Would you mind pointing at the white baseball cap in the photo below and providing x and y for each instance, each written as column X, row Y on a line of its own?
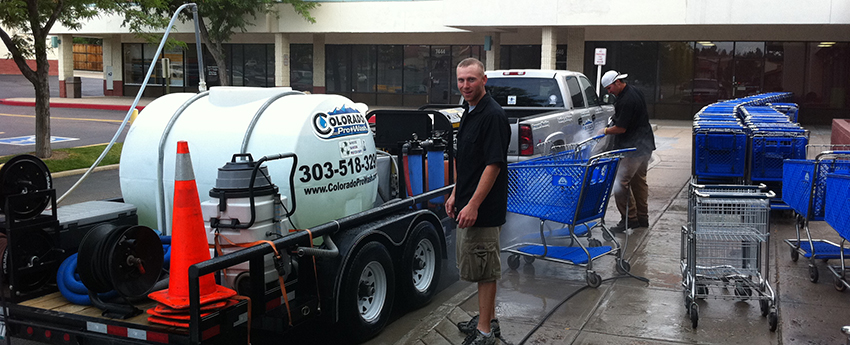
column 609, row 77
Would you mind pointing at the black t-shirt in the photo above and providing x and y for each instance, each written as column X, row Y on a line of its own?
column 482, row 140
column 630, row 113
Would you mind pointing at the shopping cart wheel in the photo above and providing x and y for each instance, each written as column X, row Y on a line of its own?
column 607, row 237
column 622, row 266
column 838, row 283
column 773, row 321
column 593, row 279
column 794, row 254
column 594, row 243
column 528, row 259
column 686, row 295
column 813, row 273
column 764, row 304
column 694, row 314
column 513, row 261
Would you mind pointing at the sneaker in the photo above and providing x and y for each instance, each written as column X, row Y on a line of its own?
column 471, row 327
column 478, row 338
column 621, row 226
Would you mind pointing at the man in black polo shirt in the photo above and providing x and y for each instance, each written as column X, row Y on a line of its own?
column 480, row 197
column 631, row 128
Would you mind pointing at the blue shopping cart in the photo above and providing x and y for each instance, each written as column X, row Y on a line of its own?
column 804, row 190
column 568, row 191
column 837, row 215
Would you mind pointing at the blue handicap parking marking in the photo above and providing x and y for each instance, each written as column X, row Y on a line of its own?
column 30, row 140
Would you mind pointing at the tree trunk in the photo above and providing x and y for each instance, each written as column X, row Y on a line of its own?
column 42, row 101
column 217, row 51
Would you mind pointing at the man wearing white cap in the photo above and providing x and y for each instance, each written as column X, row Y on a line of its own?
column 630, row 128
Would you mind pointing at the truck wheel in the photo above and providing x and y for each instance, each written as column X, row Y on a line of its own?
column 368, row 292
column 421, row 265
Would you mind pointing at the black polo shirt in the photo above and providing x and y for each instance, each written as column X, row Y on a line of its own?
column 630, row 113
column 482, row 140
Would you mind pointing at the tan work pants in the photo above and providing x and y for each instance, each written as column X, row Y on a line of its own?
column 631, row 187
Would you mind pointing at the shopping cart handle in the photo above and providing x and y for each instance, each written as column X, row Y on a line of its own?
column 613, row 153
column 760, row 186
column 832, row 153
column 596, row 137
column 769, row 195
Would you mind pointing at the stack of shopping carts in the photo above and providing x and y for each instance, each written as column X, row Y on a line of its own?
column 568, row 188
column 805, row 191
column 725, row 247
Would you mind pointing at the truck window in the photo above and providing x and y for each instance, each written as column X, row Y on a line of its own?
column 525, row 92
column 589, row 92
column 575, row 92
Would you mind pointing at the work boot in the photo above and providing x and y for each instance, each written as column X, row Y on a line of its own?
column 471, row 327
column 621, row 226
column 478, row 338
column 643, row 222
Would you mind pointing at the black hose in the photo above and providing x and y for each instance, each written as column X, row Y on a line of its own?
column 551, row 312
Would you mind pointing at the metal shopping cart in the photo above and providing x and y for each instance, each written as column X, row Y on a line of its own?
column 725, row 248
column 572, row 192
column 804, row 190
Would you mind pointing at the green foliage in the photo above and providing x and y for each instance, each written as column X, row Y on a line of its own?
column 78, row 157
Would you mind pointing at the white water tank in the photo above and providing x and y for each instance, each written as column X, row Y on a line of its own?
column 336, row 173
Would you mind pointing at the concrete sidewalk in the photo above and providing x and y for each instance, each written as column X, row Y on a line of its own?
column 628, row 311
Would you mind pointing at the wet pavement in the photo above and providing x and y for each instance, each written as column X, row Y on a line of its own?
column 629, row 311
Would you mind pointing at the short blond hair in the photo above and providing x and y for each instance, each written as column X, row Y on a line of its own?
column 471, row 62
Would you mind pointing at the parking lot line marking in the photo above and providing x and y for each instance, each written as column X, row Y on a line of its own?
column 66, row 118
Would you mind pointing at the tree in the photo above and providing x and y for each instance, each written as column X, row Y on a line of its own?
column 219, row 20
column 28, row 22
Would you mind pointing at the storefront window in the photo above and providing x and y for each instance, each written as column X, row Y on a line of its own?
column 784, row 67
column 416, row 79
column 520, row 56
column 337, row 68
column 749, row 68
column 390, row 68
column 134, row 65
column 677, row 72
column 827, row 74
column 363, row 68
column 301, row 71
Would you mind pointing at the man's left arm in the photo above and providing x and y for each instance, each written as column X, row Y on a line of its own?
column 469, row 214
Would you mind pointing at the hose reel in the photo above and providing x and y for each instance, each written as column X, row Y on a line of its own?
column 23, row 175
column 128, row 259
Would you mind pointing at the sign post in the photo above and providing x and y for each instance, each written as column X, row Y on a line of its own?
column 599, row 61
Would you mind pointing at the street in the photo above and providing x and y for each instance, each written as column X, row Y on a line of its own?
column 83, row 126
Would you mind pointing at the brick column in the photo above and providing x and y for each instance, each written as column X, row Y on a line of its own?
column 319, row 64
column 549, row 44
column 575, row 49
column 66, row 62
column 494, row 55
column 281, row 59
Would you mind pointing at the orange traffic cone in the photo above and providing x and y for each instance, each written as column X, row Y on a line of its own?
column 189, row 240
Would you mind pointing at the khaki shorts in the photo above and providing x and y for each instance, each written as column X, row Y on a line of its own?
column 478, row 254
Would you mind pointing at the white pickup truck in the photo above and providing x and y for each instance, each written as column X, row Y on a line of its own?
column 547, row 109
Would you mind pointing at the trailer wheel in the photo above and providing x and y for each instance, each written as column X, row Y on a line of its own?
column 422, row 260
column 368, row 292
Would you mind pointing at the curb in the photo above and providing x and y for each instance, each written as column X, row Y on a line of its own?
column 82, row 171
column 72, row 105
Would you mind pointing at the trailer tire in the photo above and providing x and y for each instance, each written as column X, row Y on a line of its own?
column 367, row 293
column 421, row 265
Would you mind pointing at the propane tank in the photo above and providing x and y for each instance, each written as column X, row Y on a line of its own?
column 240, row 212
column 336, row 174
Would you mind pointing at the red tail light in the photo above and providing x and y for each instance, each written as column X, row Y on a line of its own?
column 526, row 144
column 513, row 73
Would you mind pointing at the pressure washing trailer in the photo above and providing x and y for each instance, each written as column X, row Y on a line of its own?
column 298, row 172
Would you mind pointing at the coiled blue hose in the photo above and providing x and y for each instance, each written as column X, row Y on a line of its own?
column 73, row 289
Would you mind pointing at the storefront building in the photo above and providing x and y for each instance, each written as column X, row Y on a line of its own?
column 683, row 55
